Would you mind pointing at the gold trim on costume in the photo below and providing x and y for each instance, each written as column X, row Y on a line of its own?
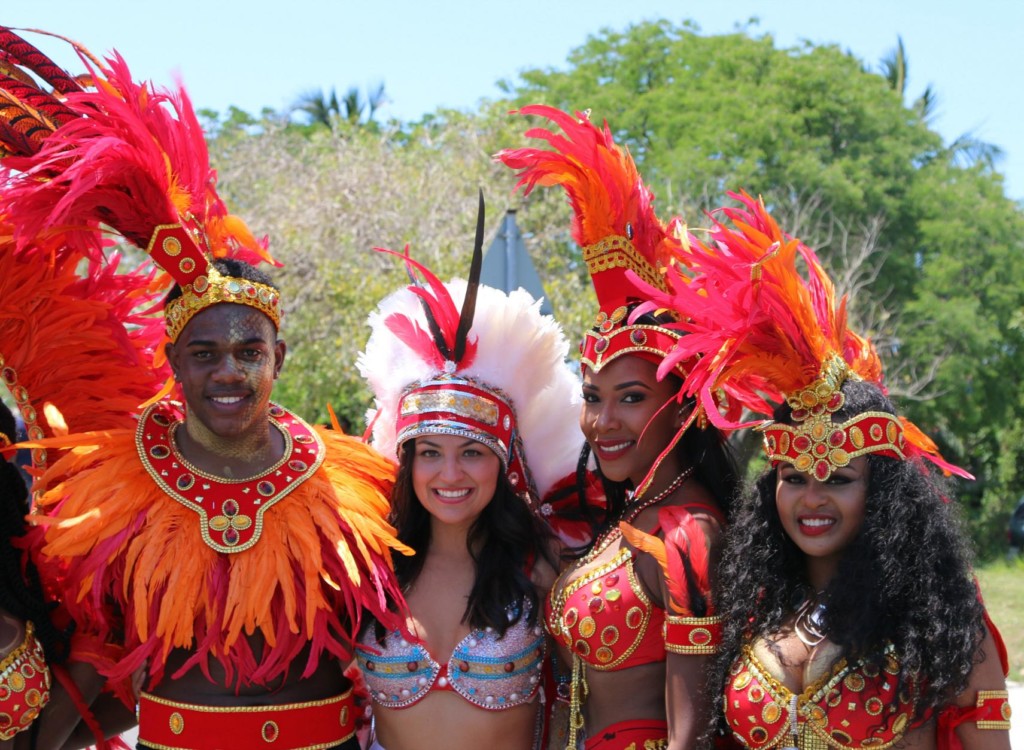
column 215, row 288
column 1005, row 712
column 616, row 251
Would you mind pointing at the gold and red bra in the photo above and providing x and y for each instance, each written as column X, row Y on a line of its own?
column 230, row 510
column 24, row 685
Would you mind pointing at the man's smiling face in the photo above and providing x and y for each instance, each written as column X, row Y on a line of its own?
column 226, row 360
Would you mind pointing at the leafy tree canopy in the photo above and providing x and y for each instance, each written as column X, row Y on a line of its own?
column 919, row 231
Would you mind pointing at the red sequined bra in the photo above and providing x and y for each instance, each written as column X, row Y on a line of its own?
column 24, row 685
column 605, row 616
column 851, row 707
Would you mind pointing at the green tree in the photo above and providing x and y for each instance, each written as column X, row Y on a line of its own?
column 919, row 230
column 329, row 111
column 923, row 238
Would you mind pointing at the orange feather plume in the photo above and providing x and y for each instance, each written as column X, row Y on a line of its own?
column 324, row 558
column 683, row 558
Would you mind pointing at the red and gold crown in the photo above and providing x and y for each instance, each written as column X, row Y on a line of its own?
column 764, row 332
column 202, row 285
column 615, row 224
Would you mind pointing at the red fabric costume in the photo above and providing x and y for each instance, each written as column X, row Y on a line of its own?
column 603, row 616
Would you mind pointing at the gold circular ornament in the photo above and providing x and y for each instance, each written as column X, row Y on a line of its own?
column 270, row 731
column 176, row 723
column 784, row 441
column 854, row 682
column 741, row 681
column 634, row 617
column 587, row 627
column 172, row 246
column 856, row 435
column 610, row 635
column 570, row 617
column 842, row 737
column 839, row 458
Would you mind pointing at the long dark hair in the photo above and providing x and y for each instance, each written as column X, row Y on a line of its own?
column 904, row 580
column 504, row 541
column 21, row 592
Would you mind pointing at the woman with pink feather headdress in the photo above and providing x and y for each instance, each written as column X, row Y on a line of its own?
column 851, row 618
column 475, row 400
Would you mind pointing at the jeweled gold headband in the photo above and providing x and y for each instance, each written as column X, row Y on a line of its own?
column 214, row 288
column 818, row 446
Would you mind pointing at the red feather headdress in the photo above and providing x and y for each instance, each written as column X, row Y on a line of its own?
column 124, row 156
column 615, row 224
column 765, row 332
column 628, row 250
column 82, row 157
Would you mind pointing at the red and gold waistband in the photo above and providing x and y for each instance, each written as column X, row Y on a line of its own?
column 313, row 725
column 623, row 735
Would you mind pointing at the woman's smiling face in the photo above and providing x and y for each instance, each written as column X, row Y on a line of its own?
column 822, row 518
column 454, row 477
column 622, row 416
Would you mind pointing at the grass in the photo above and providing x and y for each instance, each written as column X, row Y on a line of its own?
column 1002, row 585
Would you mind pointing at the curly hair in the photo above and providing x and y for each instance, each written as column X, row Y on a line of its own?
column 904, row 580
column 21, row 591
column 503, row 541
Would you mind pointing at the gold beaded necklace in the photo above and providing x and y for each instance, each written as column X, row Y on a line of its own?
column 578, row 688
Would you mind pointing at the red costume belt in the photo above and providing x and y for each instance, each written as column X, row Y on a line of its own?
column 314, row 725
column 624, row 735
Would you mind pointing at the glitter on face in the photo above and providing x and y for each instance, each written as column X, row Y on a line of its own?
column 226, row 361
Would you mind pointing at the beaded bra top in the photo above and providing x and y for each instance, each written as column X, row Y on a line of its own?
column 489, row 671
column 24, row 685
column 605, row 617
column 854, row 706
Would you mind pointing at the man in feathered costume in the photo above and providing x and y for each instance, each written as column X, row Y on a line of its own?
column 219, row 551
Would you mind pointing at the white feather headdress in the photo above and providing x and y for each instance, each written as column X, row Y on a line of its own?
column 520, row 355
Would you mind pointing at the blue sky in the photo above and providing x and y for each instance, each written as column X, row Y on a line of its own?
column 430, row 54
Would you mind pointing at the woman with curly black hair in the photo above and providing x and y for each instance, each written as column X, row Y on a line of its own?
column 851, row 619
column 480, row 416
column 851, row 615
